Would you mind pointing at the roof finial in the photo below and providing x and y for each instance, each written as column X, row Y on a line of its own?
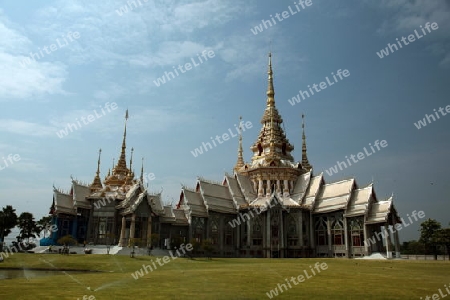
column 131, row 158
column 142, row 171
column 121, row 168
column 97, row 183
column 240, row 161
column 98, row 162
column 270, row 91
column 305, row 162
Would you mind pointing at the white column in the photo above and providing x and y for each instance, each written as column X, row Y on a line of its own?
column 301, row 229
column 329, row 235
column 260, row 188
column 268, row 241
column 346, row 241
column 132, row 227
column 285, row 187
column 268, row 188
column 248, row 233
column 397, row 245
column 366, row 246
column 281, row 237
column 122, row 232
column 387, row 241
column 149, row 230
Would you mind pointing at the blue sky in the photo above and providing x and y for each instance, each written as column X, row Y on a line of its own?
column 117, row 57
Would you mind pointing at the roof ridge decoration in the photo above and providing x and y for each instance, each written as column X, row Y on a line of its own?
column 202, row 179
column 97, row 182
column 305, row 163
column 240, row 160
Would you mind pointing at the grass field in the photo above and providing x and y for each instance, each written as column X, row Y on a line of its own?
column 222, row 278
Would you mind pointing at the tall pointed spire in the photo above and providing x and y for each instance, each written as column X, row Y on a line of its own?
column 121, row 168
column 130, row 174
column 97, row 183
column 272, row 148
column 270, row 90
column 240, row 160
column 142, row 171
column 305, row 162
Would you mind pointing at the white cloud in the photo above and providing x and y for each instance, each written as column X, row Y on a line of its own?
column 26, row 128
column 406, row 16
column 21, row 77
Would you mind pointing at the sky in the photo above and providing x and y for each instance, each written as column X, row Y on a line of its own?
column 77, row 62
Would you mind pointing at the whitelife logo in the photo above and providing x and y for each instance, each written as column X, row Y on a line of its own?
column 356, row 158
column 429, row 118
column 53, row 47
column 90, row 118
column 300, row 278
column 319, row 87
column 411, row 38
column 225, row 137
column 280, row 17
column 187, row 66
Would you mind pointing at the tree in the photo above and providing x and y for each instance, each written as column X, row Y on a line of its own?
column 44, row 224
column 442, row 237
column 195, row 246
column 154, row 239
column 413, row 247
column 208, row 247
column 428, row 235
column 28, row 227
column 8, row 220
column 67, row 240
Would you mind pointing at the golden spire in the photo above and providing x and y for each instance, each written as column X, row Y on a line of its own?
column 97, row 183
column 305, row 162
column 272, row 143
column 142, row 171
column 130, row 174
column 131, row 158
column 121, row 168
column 270, row 90
column 240, row 161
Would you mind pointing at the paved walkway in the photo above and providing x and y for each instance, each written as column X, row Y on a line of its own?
column 101, row 249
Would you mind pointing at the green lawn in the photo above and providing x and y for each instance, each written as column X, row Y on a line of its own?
column 222, row 278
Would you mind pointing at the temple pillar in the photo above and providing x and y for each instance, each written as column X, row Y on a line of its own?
column 248, row 233
column 387, row 241
column 278, row 186
column 301, row 229
column 330, row 251
column 366, row 245
column 346, row 240
column 281, row 237
column 260, row 188
column 122, row 232
column 132, row 228
column 268, row 188
column 149, row 230
column 285, row 187
column 396, row 238
column 312, row 231
column 397, row 245
column 268, row 240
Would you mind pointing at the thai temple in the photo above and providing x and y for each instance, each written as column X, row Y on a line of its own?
column 271, row 206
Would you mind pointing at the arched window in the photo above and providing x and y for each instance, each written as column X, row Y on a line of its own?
column 321, row 231
column 337, row 232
